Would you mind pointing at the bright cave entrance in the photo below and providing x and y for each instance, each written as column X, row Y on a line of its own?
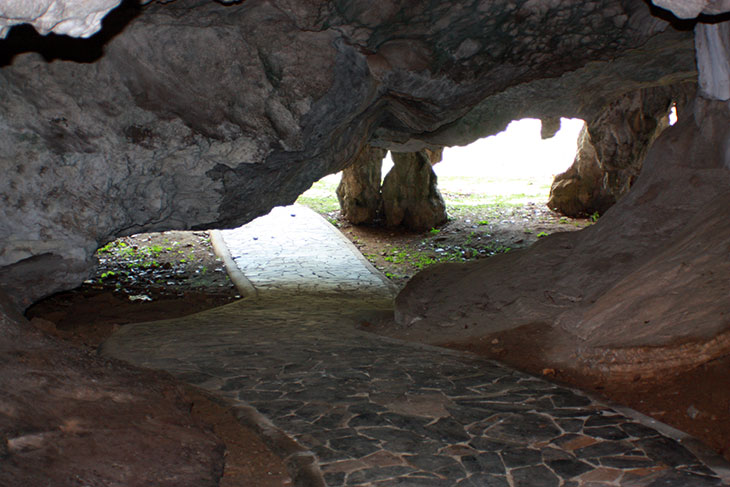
column 495, row 192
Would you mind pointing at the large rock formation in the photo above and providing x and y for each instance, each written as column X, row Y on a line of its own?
column 408, row 196
column 359, row 189
column 70, row 417
column 642, row 291
column 185, row 114
column 611, row 150
column 410, row 191
column 579, row 191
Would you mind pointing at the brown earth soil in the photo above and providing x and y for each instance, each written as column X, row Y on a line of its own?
column 153, row 277
column 696, row 401
column 472, row 234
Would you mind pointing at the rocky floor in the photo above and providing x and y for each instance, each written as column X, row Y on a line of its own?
column 364, row 410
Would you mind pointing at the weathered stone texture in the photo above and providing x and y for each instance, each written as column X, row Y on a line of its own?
column 579, row 190
column 71, row 417
column 359, row 188
column 713, row 59
column 75, row 18
column 611, row 150
column 688, row 9
column 410, row 191
column 186, row 114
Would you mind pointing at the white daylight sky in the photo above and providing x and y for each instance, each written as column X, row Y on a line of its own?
column 517, row 152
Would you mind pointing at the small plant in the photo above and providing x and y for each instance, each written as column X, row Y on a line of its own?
column 107, row 248
column 542, row 234
column 434, row 231
column 483, row 222
column 595, row 216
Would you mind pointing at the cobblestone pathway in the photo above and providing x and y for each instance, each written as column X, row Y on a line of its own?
column 368, row 411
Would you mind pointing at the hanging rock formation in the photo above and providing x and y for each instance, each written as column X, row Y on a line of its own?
column 611, row 150
column 410, row 191
column 359, row 188
column 409, row 195
column 128, row 131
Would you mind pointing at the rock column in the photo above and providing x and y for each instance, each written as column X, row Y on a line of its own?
column 359, row 189
column 410, row 191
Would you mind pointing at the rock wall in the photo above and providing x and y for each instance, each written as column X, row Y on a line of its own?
column 185, row 114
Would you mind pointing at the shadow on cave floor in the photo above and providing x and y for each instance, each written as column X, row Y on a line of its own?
column 345, row 407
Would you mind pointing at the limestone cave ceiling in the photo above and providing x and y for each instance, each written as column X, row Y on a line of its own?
column 198, row 114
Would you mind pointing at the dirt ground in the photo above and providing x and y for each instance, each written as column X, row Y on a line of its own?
column 180, row 275
column 470, row 235
column 153, row 277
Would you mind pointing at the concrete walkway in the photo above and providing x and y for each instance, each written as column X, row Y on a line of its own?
column 347, row 408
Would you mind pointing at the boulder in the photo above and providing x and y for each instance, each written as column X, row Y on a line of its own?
column 410, row 191
column 549, row 127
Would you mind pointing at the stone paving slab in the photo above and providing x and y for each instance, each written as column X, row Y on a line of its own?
column 378, row 412
column 293, row 249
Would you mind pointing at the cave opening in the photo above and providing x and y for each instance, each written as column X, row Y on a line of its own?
column 194, row 112
column 494, row 193
column 495, row 189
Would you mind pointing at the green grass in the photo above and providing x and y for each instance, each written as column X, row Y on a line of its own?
column 420, row 259
column 321, row 205
column 462, row 194
column 321, row 196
